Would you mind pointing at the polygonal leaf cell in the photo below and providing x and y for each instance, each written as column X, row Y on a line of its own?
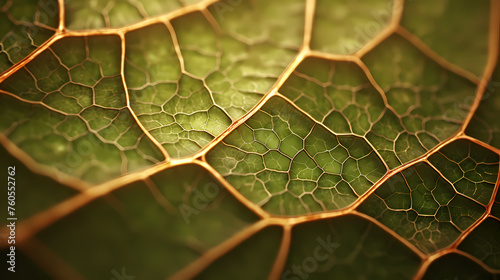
column 225, row 62
column 446, row 18
column 118, row 13
column 288, row 164
column 484, row 243
column 472, row 169
column 93, row 90
column 257, row 41
column 347, row 247
column 259, row 250
column 170, row 219
column 24, row 26
column 344, row 27
column 432, row 207
column 428, row 103
column 484, row 124
column 337, row 94
column 67, row 109
column 176, row 108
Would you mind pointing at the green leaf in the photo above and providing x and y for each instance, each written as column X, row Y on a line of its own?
column 472, row 169
column 182, row 210
column 347, row 247
column 495, row 210
column 428, row 102
column 288, row 164
column 186, row 98
column 39, row 192
column 484, row 125
column 76, row 122
column 484, row 243
column 101, row 14
column 260, row 250
column 432, row 206
column 24, row 26
column 250, row 139
column 420, row 18
column 354, row 25
column 455, row 266
column 423, row 208
column 338, row 94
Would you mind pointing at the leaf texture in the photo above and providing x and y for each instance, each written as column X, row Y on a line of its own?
column 238, row 139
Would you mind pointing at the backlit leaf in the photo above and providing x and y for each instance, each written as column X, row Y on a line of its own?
column 249, row 139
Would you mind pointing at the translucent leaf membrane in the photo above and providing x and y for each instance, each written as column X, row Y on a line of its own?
column 472, row 169
column 344, row 27
column 484, row 124
column 185, row 98
column 431, row 206
column 347, row 247
column 337, row 94
column 126, row 82
column 286, row 163
column 118, row 13
column 67, row 110
column 258, row 41
column 484, row 243
column 495, row 210
column 444, row 21
column 177, row 109
column 24, row 26
column 259, row 250
column 170, row 219
column 428, row 103
column 455, row 266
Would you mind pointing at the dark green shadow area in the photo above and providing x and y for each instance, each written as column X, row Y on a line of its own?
column 347, row 247
column 252, row 259
column 150, row 231
column 484, row 243
column 24, row 267
column 455, row 266
column 33, row 192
